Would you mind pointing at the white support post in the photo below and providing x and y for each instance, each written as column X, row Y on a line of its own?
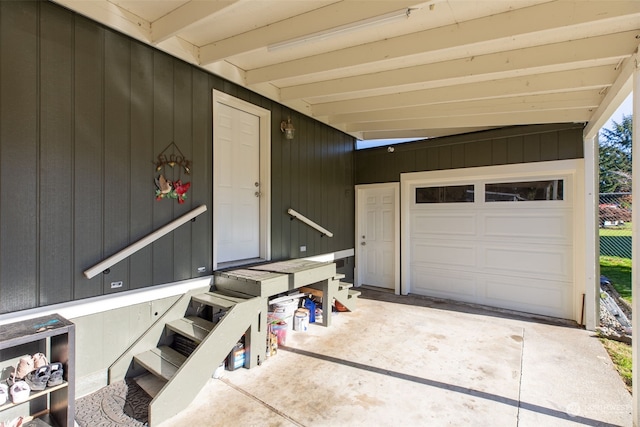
column 635, row 219
column 591, row 305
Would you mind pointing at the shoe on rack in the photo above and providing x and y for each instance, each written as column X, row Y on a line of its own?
column 20, row 392
column 39, row 360
column 24, row 367
column 56, row 372
column 4, row 393
column 38, row 379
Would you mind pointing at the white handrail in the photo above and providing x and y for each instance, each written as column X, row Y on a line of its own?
column 150, row 238
column 309, row 222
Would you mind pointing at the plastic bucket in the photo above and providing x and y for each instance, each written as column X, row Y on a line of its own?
column 301, row 321
column 280, row 329
column 285, row 311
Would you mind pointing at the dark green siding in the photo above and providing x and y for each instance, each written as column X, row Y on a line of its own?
column 84, row 111
column 518, row 144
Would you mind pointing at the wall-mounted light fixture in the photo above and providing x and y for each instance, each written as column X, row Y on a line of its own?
column 287, row 128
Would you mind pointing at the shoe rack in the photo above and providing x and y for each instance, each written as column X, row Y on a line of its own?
column 54, row 336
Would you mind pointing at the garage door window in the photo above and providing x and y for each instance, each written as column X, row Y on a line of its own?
column 524, row 191
column 445, row 194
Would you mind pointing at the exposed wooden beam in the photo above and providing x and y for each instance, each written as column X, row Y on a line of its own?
column 620, row 89
column 521, row 28
column 556, row 57
column 543, row 102
column 324, row 18
column 421, row 133
column 112, row 16
column 589, row 78
column 479, row 120
column 185, row 16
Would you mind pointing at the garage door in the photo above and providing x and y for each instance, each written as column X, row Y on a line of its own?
column 493, row 236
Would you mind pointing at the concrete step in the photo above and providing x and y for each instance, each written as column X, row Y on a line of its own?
column 161, row 361
column 193, row 327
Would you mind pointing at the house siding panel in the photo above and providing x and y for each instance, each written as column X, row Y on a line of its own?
column 140, row 271
column 56, row 161
column 517, row 144
column 88, row 115
column 19, row 95
column 84, row 111
column 117, row 158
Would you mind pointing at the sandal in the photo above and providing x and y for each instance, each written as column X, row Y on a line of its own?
column 38, row 379
column 56, row 371
column 20, row 392
column 39, row 360
column 24, row 367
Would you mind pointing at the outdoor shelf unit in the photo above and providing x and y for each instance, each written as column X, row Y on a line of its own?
column 54, row 336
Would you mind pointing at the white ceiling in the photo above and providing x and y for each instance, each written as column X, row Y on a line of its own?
column 450, row 67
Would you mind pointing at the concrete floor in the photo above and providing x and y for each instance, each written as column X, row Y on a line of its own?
column 411, row 361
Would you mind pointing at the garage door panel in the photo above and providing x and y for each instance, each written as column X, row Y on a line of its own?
column 549, row 226
column 550, row 298
column 518, row 260
column 443, row 253
column 444, row 284
column 517, row 253
column 449, row 223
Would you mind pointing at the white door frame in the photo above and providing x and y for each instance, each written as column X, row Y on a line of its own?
column 359, row 206
column 265, row 169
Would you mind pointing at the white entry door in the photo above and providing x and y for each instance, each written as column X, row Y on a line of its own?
column 239, row 188
column 377, row 232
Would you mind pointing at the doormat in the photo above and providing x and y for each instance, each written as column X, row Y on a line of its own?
column 119, row 404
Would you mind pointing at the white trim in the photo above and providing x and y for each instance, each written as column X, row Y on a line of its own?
column 85, row 307
column 591, row 236
column 397, row 233
column 635, row 266
column 570, row 168
column 332, row 256
column 264, row 116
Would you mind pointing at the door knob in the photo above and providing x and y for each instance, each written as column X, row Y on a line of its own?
column 363, row 243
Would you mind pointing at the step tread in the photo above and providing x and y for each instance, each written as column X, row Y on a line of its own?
column 353, row 293
column 161, row 361
column 345, row 285
column 150, row 383
column 215, row 299
column 193, row 327
column 339, row 276
column 241, row 296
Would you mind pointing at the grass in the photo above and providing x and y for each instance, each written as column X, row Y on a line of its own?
column 625, row 230
column 620, row 354
column 618, row 271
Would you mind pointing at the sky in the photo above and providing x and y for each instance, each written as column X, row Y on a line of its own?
column 626, row 108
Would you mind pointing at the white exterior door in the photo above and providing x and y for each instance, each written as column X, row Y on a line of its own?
column 240, row 186
column 470, row 236
column 377, row 236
